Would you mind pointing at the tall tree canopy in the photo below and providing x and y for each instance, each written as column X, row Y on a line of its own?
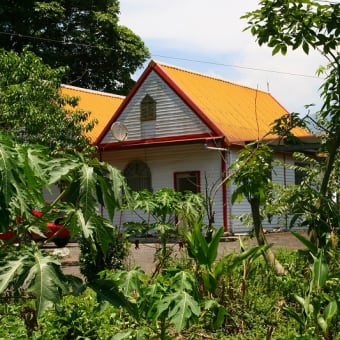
column 309, row 25
column 32, row 107
column 83, row 35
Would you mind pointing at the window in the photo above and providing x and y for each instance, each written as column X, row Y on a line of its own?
column 300, row 174
column 188, row 181
column 147, row 109
column 138, row 176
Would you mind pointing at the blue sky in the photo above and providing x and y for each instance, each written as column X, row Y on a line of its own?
column 207, row 37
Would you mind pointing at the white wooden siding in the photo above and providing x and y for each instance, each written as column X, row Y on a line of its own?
column 52, row 194
column 174, row 117
column 280, row 175
column 237, row 209
column 164, row 162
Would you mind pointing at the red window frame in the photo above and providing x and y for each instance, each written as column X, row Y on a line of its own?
column 187, row 174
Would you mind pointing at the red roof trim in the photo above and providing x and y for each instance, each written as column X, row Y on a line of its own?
column 159, row 141
column 158, row 69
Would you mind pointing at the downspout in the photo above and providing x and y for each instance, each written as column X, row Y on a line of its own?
column 100, row 160
column 224, row 188
column 285, row 184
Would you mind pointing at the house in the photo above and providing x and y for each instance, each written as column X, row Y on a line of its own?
column 182, row 130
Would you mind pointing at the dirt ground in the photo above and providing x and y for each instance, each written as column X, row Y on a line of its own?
column 143, row 256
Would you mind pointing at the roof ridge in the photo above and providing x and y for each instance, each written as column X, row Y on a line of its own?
column 209, row 76
column 100, row 93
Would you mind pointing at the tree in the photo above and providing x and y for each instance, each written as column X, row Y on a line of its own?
column 32, row 107
column 252, row 175
column 310, row 25
column 83, row 35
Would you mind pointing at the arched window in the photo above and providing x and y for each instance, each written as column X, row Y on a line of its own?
column 138, row 176
column 147, row 109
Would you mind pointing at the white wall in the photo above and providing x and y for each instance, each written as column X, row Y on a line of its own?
column 165, row 161
column 280, row 175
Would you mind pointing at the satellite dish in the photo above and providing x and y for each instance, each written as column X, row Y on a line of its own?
column 119, row 131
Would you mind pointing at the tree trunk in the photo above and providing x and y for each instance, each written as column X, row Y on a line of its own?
column 261, row 239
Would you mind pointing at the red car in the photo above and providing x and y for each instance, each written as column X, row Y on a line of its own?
column 60, row 240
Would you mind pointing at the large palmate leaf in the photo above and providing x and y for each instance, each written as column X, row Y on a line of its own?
column 93, row 184
column 184, row 281
column 59, row 168
column 9, row 270
column 44, row 280
column 87, row 192
column 112, row 186
column 76, row 221
column 130, row 281
column 30, row 270
column 181, row 308
column 108, row 290
column 6, row 166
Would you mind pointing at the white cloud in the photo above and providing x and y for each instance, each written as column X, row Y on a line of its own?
column 213, row 31
column 196, row 24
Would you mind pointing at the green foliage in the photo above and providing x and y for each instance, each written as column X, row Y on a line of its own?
column 81, row 317
column 283, row 127
column 31, row 271
column 306, row 205
column 209, row 269
column 163, row 206
column 256, row 312
column 252, row 173
column 304, row 23
column 83, row 36
column 32, row 107
column 319, row 306
column 167, row 300
column 310, row 24
column 93, row 262
column 167, row 213
column 204, row 252
column 25, row 171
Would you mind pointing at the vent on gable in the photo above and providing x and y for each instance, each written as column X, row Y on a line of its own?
column 147, row 109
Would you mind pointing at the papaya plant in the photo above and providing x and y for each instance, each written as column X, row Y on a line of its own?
column 167, row 213
column 158, row 305
column 25, row 172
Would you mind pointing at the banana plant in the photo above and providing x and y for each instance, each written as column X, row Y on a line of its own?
column 205, row 252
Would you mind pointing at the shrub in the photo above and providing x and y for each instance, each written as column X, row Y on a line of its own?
column 91, row 263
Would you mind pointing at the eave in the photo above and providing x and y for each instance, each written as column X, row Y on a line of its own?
column 173, row 140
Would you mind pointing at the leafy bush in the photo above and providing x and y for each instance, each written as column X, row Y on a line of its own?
column 81, row 317
column 92, row 262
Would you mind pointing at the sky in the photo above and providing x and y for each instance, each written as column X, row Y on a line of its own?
column 208, row 37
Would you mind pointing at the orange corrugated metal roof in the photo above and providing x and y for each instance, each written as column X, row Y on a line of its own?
column 101, row 105
column 240, row 113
